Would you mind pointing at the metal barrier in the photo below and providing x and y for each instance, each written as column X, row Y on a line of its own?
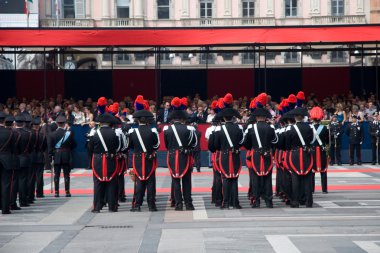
column 80, row 159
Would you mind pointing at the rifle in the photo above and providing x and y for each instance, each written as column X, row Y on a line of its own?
column 51, row 175
column 377, row 149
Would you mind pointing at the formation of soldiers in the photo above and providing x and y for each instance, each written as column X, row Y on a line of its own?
column 25, row 145
column 297, row 144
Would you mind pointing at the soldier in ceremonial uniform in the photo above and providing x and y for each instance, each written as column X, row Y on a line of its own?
column 229, row 138
column 61, row 143
column 259, row 138
column 122, row 155
column 319, row 147
column 38, row 159
column 355, row 134
column 298, row 140
column 374, row 132
column 216, row 189
column 336, row 132
column 8, row 142
column 25, row 146
column 144, row 141
column 104, row 146
column 180, row 139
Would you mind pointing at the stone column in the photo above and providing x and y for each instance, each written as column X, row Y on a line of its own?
column 227, row 8
column 270, row 7
column 185, row 9
column 88, row 9
column 105, row 9
column 138, row 8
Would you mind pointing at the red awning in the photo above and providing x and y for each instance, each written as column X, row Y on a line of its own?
column 187, row 37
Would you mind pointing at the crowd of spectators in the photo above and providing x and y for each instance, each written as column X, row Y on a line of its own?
column 81, row 112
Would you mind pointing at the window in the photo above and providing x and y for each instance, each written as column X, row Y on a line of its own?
column 68, row 9
column 292, row 57
column 140, row 57
column 290, row 8
column 163, row 7
column 106, row 55
column 206, row 8
column 122, row 8
column 208, row 58
column 248, row 8
column 337, row 7
column 248, row 58
column 338, row 56
column 123, row 59
column 316, row 55
column 165, row 58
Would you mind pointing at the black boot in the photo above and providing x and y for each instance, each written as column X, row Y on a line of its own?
column 255, row 203
column 269, row 203
column 136, row 209
column 190, row 207
column 179, row 207
column 67, row 187
column 152, row 207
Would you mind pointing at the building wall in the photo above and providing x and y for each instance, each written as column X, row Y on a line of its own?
column 375, row 11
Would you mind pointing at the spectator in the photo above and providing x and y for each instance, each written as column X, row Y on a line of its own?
column 340, row 114
column 88, row 116
column 210, row 116
column 163, row 114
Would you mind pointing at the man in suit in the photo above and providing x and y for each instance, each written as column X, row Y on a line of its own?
column 61, row 143
column 163, row 114
column 355, row 134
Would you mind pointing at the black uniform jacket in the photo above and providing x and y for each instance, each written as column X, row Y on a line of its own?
column 355, row 133
column 39, row 146
column 261, row 158
column 374, row 131
column 8, row 146
column 300, row 158
column 336, row 131
column 104, row 164
column 229, row 156
column 319, row 149
column 61, row 155
column 179, row 154
column 144, row 162
column 25, row 147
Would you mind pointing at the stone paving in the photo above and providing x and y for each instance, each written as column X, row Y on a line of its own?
column 345, row 220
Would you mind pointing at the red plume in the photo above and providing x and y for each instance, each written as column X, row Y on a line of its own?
column 252, row 105
column 300, row 95
column 214, row 104
column 292, row 99
column 184, row 101
column 228, row 99
column 139, row 99
column 176, row 102
column 262, row 99
column 102, row 101
column 146, row 105
column 316, row 113
column 221, row 103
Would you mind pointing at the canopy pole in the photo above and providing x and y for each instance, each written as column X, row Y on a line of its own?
column 259, row 72
column 377, row 73
column 45, row 85
column 362, row 73
column 265, row 69
column 253, row 70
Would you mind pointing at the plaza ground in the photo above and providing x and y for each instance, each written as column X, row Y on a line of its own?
column 345, row 220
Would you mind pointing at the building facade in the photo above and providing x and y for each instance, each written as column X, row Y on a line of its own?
column 195, row 13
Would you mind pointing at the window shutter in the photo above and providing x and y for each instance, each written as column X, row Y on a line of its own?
column 79, row 9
